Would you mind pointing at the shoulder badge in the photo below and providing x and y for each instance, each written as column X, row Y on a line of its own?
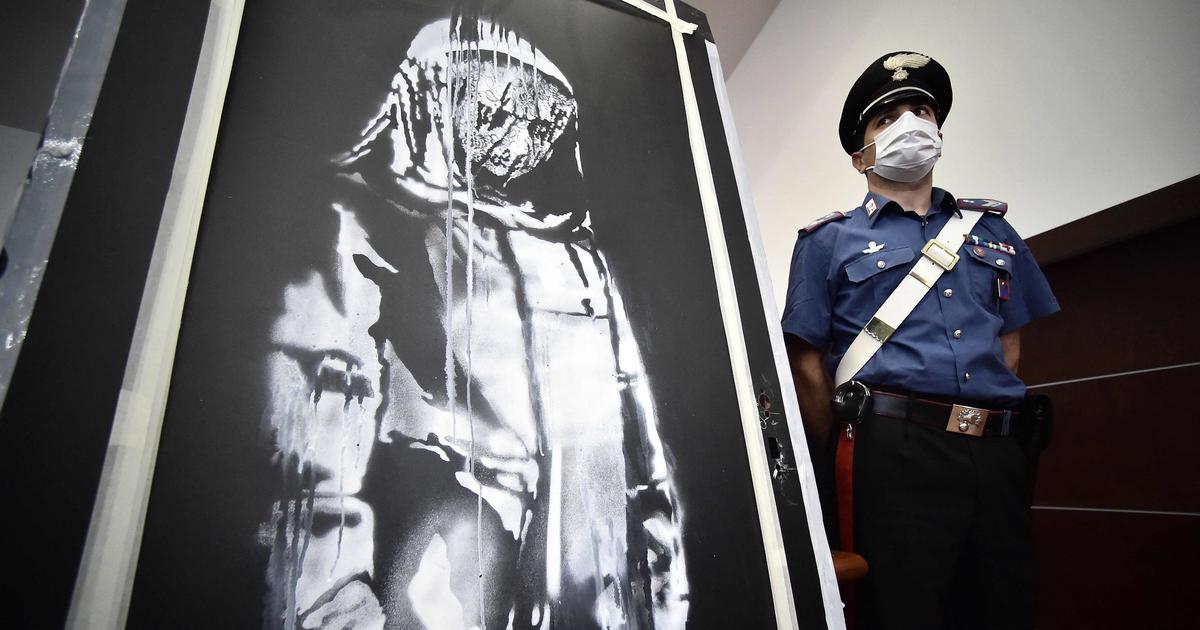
column 836, row 215
column 983, row 205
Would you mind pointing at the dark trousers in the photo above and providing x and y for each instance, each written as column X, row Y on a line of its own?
column 943, row 521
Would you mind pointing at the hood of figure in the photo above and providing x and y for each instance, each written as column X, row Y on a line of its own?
column 472, row 109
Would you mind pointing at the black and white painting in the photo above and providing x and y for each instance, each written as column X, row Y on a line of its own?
column 452, row 356
column 469, row 330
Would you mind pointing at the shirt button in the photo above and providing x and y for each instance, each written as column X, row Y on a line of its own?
column 948, row 293
column 881, row 264
column 999, row 262
column 958, row 335
column 966, row 376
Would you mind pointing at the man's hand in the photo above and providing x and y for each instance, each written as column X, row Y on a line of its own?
column 814, row 389
column 1011, row 344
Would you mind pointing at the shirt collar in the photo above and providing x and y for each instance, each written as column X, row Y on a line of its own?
column 875, row 204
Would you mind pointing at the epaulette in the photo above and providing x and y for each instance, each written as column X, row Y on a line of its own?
column 983, row 205
column 829, row 218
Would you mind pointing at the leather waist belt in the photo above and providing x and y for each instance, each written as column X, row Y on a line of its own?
column 950, row 417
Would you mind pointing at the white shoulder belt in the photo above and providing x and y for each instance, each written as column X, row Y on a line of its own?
column 938, row 256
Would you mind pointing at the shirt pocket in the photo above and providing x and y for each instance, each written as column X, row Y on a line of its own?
column 880, row 271
column 987, row 268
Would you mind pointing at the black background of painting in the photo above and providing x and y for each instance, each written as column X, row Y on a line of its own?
column 797, row 541
column 306, row 78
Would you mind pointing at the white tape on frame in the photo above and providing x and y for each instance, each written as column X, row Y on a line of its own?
column 756, row 452
column 673, row 20
column 105, row 580
column 830, row 593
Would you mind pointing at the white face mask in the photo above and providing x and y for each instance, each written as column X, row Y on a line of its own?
column 907, row 150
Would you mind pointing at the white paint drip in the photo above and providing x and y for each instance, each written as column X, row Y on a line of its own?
column 554, row 527
column 448, row 156
column 471, row 102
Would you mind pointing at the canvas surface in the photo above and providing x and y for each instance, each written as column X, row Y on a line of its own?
column 452, row 354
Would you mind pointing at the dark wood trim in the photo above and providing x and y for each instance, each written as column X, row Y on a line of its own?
column 1141, row 215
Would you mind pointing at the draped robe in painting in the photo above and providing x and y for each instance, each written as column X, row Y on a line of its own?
column 459, row 406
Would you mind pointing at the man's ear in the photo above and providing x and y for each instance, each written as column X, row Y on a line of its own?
column 856, row 160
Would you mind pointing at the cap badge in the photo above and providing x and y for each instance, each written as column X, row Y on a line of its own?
column 899, row 62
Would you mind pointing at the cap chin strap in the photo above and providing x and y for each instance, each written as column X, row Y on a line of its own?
column 892, row 95
column 937, row 257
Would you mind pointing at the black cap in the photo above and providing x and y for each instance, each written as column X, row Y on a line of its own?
column 896, row 75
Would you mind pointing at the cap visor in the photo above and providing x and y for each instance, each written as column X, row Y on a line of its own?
column 894, row 95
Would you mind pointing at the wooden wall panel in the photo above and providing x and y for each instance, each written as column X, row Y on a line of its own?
column 1113, row 570
column 1125, row 460
column 1129, row 306
column 1128, row 442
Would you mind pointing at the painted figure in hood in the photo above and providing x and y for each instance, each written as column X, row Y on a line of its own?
column 460, row 408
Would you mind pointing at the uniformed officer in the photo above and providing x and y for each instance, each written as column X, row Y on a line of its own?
column 941, row 488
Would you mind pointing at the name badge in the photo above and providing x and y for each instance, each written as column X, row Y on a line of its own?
column 1003, row 289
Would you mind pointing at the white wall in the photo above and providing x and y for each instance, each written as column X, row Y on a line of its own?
column 1061, row 107
column 735, row 24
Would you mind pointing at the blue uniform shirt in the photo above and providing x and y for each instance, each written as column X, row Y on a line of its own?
column 949, row 346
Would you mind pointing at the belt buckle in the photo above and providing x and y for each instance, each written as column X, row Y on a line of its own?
column 968, row 420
